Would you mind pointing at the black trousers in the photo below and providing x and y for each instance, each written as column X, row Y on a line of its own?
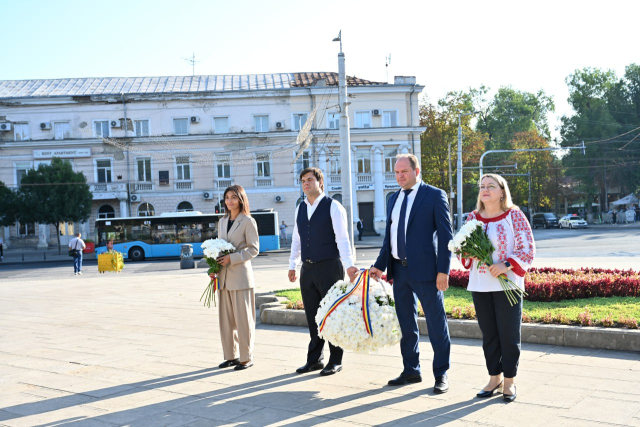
column 315, row 281
column 500, row 324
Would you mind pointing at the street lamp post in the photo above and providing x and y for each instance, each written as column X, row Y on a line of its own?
column 459, row 195
column 345, row 143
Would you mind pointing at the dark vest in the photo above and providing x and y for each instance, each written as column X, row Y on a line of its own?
column 317, row 239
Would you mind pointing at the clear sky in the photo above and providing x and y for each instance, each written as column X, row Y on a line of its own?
column 447, row 45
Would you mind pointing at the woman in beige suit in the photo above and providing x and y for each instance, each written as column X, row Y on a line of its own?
column 235, row 280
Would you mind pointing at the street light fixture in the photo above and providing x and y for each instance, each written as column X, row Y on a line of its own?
column 459, row 195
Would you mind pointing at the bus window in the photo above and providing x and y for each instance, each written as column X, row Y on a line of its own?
column 209, row 230
column 189, row 232
column 164, row 233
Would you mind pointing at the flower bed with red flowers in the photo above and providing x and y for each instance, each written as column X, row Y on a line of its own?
column 557, row 284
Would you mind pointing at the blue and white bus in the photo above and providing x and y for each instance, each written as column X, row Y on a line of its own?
column 139, row 238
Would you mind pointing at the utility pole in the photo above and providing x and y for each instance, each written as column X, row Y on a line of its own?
column 459, row 195
column 345, row 144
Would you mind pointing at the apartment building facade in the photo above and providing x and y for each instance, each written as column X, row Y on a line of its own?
column 162, row 144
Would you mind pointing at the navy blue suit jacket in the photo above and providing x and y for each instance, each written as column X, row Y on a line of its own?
column 429, row 214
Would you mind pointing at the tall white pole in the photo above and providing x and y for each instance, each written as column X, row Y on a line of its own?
column 459, row 195
column 345, row 147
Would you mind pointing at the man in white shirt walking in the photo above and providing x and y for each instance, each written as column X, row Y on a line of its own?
column 320, row 238
column 77, row 245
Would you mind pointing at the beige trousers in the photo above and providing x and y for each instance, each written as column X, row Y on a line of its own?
column 237, row 323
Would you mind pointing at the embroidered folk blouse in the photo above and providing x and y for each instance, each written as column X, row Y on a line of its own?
column 512, row 239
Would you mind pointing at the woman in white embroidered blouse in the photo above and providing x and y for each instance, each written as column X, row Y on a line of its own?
column 500, row 322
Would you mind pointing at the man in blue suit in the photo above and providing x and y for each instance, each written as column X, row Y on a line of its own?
column 415, row 215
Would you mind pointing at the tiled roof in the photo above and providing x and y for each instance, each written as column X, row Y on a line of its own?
column 164, row 85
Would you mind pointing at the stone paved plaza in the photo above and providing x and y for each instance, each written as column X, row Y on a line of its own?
column 138, row 349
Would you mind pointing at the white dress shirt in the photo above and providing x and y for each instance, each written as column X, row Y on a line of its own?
column 395, row 217
column 340, row 228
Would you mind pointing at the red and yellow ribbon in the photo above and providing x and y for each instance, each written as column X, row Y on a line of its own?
column 365, row 281
column 215, row 283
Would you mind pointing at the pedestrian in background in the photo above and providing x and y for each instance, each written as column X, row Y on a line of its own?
column 77, row 246
column 283, row 232
column 500, row 322
column 1, row 248
column 360, row 228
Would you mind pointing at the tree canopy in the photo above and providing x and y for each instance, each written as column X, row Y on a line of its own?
column 53, row 194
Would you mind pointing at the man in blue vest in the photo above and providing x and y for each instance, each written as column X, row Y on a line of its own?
column 321, row 241
column 414, row 216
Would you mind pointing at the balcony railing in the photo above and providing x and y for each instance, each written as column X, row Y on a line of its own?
column 99, row 188
column 184, row 185
column 389, row 176
column 364, row 178
column 104, row 187
column 143, row 186
column 222, row 183
column 334, row 179
column 264, row 182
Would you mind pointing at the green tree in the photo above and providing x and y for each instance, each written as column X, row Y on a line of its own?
column 9, row 203
column 441, row 120
column 512, row 111
column 607, row 118
column 53, row 194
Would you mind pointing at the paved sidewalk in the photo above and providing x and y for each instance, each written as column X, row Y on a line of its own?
column 138, row 349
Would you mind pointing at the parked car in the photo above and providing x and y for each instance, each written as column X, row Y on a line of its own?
column 464, row 220
column 572, row 221
column 545, row 220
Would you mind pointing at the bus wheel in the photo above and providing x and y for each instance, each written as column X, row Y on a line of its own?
column 136, row 254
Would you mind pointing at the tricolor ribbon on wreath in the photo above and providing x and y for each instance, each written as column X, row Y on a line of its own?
column 363, row 280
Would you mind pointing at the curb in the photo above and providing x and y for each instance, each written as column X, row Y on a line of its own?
column 271, row 312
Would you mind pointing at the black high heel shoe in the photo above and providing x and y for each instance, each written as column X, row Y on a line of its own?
column 510, row 397
column 489, row 393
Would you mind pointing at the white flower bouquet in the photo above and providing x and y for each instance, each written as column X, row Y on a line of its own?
column 346, row 325
column 472, row 241
column 212, row 249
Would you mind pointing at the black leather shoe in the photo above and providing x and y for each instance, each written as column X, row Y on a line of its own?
column 510, row 397
column 242, row 367
column 406, row 379
column 228, row 363
column 489, row 393
column 442, row 385
column 331, row 369
column 316, row 366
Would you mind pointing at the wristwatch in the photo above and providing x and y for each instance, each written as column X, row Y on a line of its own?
column 508, row 265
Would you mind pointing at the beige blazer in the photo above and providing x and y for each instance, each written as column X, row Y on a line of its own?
column 238, row 275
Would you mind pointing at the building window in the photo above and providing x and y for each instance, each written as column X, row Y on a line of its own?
column 26, row 229
column 144, row 170
column 335, row 164
column 106, row 211
column 221, row 124
column 261, row 123
column 146, row 209
column 21, row 171
column 223, row 166
column 103, row 170
column 390, row 160
column 185, row 207
column 180, row 126
column 334, row 120
column 21, row 131
column 263, row 165
column 364, row 161
column 62, row 130
column 337, row 197
column 101, row 128
column 299, row 120
column 142, row 127
column 183, row 169
column 389, row 119
column 363, row 119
